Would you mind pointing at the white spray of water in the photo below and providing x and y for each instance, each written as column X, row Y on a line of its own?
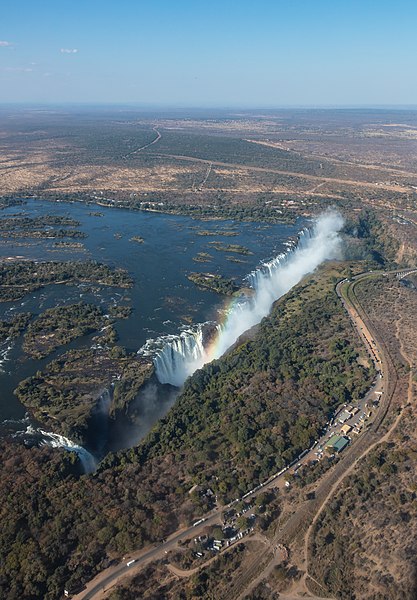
column 277, row 277
column 181, row 355
column 4, row 353
column 54, row 440
column 176, row 355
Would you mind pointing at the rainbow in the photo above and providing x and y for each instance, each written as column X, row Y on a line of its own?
column 181, row 355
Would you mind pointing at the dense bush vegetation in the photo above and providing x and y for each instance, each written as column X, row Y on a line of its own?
column 19, row 278
column 233, row 150
column 11, row 328
column 235, row 248
column 217, row 283
column 375, row 242
column 59, row 325
column 243, row 417
column 44, row 233
column 26, row 223
column 237, row 421
column 65, row 394
column 58, row 529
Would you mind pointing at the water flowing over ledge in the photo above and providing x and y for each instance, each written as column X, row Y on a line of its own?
column 178, row 357
column 54, row 440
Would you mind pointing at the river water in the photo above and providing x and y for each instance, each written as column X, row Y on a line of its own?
column 162, row 298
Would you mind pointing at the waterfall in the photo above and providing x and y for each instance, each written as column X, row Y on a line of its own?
column 177, row 357
column 267, row 269
column 54, row 440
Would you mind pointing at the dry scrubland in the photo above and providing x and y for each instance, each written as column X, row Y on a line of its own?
column 365, row 544
column 282, row 163
column 241, row 418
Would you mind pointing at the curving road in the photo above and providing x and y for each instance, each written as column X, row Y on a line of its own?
column 385, row 386
column 112, row 575
column 302, row 521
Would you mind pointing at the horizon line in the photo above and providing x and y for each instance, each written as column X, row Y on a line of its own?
column 159, row 106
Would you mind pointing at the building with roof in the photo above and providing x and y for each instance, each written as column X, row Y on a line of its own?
column 344, row 416
column 337, row 443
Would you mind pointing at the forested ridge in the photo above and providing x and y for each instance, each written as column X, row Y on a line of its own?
column 244, row 416
column 237, row 421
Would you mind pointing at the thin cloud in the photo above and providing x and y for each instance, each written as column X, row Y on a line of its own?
column 4, row 44
column 69, row 50
column 17, row 70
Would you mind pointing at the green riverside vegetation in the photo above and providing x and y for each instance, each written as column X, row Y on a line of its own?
column 236, row 248
column 64, row 395
column 214, row 282
column 12, row 328
column 8, row 224
column 237, row 420
column 19, row 278
column 243, row 417
column 59, row 325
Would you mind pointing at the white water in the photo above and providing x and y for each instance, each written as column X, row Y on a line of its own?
column 4, row 353
column 175, row 355
column 54, row 440
column 181, row 355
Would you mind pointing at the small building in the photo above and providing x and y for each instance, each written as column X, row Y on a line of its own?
column 345, row 429
column 331, row 441
column 337, row 443
column 344, row 416
column 341, row 444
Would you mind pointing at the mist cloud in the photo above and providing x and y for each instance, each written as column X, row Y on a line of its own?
column 186, row 353
column 271, row 283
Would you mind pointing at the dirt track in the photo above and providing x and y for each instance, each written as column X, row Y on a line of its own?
column 315, row 178
column 302, row 519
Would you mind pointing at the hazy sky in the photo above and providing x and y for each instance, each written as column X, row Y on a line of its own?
column 209, row 53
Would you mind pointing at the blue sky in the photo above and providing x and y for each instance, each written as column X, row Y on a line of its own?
column 209, row 53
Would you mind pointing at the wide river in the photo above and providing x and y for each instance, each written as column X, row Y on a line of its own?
column 163, row 299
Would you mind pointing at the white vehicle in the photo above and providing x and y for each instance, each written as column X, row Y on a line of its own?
column 130, row 562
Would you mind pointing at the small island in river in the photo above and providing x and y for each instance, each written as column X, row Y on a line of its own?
column 66, row 393
column 236, row 248
column 214, row 282
column 60, row 325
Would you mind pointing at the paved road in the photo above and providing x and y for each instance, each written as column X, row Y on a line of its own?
column 111, row 575
column 383, row 384
column 301, row 519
